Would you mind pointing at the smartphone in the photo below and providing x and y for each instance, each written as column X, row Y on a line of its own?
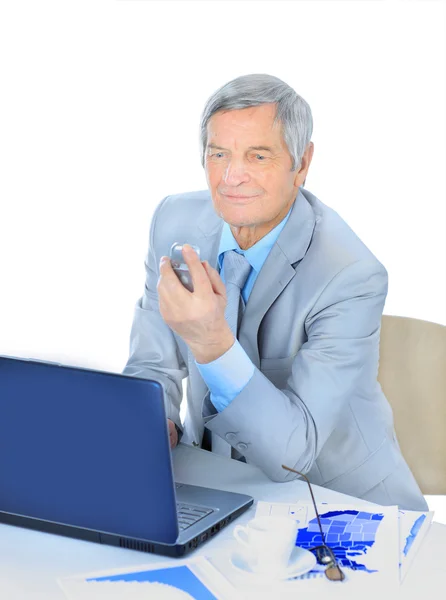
column 179, row 266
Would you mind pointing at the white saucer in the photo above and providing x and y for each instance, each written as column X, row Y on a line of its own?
column 301, row 561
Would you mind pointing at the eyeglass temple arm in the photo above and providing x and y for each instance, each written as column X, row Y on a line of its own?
column 312, row 497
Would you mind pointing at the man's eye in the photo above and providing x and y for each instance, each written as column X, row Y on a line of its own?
column 260, row 157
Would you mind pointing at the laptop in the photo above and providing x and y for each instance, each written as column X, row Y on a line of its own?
column 86, row 454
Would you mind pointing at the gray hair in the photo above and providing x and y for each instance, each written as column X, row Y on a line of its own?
column 293, row 112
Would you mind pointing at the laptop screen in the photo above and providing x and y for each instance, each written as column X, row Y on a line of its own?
column 86, row 448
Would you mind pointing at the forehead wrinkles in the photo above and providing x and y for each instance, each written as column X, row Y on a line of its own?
column 242, row 135
column 255, row 131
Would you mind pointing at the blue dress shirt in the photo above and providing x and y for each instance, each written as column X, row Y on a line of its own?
column 223, row 388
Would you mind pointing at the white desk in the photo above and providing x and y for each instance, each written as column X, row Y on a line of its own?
column 31, row 562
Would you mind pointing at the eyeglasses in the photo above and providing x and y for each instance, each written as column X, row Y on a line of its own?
column 324, row 554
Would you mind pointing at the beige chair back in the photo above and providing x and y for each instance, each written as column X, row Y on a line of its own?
column 412, row 374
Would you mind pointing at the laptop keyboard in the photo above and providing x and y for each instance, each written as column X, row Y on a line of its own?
column 189, row 514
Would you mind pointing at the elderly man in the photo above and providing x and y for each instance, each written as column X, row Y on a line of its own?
column 280, row 336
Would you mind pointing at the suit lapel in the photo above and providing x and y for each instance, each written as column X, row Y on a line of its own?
column 277, row 271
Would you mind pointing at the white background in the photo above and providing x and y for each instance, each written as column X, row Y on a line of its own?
column 100, row 106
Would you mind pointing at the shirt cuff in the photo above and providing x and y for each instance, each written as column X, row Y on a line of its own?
column 227, row 375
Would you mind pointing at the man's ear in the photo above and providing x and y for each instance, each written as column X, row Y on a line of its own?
column 307, row 158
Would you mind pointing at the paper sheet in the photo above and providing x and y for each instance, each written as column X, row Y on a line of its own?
column 188, row 579
column 365, row 541
column 413, row 526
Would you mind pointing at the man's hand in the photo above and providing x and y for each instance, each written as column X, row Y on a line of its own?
column 173, row 434
column 198, row 316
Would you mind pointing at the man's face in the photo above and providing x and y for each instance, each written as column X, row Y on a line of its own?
column 246, row 157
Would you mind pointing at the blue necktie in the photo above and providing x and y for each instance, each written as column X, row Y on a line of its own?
column 236, row 271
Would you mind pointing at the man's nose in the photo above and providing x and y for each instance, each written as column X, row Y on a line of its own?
column 236, row 173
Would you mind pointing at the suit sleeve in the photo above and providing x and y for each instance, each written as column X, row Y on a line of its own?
column 290, row 425
column 154, row 352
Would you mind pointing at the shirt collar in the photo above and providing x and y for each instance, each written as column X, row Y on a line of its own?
column 256, row 255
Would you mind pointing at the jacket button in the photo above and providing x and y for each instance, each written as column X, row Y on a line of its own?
column 242, row 446
column 230, row 437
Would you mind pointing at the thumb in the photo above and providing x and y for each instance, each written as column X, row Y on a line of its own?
column 217, row 284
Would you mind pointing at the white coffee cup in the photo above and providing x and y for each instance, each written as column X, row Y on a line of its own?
column 270, row 541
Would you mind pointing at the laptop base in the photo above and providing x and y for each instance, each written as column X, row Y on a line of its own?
column 174, row 550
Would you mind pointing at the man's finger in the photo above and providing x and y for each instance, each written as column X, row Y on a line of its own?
column 217, row 284
column 170, row 282
column 173, row 434
column 198, row 273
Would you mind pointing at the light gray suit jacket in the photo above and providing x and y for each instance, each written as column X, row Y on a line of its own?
column 311, row 327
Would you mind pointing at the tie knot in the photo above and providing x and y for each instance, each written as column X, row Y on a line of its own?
column 237, row 268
